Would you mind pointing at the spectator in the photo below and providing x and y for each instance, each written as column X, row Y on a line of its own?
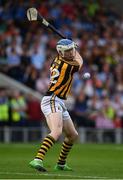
column 30, row 76
column 18, row 109
column 35, row 116
column 97, row 29
column 106, row 116
column 37, row 56
column 81, row 113
column 4, row 108
column 42, row 82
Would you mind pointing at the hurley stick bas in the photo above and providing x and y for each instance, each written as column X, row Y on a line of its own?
column 34, row 15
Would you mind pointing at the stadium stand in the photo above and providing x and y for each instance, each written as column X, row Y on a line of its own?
column 27, row 49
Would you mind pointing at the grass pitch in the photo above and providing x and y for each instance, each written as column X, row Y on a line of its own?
column 89, row 161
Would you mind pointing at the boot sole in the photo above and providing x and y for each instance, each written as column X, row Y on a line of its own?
column 39, row 168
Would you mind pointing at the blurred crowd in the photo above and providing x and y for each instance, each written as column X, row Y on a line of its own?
column 16, row 109
column 27, row 49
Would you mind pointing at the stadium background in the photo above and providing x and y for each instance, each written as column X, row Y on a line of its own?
column 27, row 49
column 96, row 105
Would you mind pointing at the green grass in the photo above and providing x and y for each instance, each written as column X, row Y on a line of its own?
column 89, row 161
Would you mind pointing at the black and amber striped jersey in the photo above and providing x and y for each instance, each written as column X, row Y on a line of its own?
column 61, row 77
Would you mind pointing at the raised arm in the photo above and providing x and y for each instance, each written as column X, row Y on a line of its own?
column 79, row 59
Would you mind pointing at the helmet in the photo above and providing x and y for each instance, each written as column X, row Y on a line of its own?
column 65, row 44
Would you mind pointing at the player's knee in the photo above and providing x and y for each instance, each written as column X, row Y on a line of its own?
column 56, row 134
column 74, row 136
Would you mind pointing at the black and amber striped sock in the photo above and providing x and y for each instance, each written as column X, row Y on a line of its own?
column 66, row 147
column 46, row 145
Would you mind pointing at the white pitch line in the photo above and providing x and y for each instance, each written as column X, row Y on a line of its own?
column 49, row 174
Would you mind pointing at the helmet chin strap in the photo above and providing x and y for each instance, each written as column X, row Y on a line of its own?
column 63, row 52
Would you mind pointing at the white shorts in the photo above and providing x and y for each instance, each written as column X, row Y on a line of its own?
column 51, row 104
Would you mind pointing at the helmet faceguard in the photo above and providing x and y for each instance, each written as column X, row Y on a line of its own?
column 65, row 45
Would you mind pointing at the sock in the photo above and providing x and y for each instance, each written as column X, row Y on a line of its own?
column 66, row 147
column 46, row 145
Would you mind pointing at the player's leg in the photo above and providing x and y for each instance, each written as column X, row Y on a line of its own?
column 71, row 133
column 70, row 137
column 55, row 124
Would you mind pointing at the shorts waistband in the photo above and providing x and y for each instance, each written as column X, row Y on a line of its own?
column 50, row 94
